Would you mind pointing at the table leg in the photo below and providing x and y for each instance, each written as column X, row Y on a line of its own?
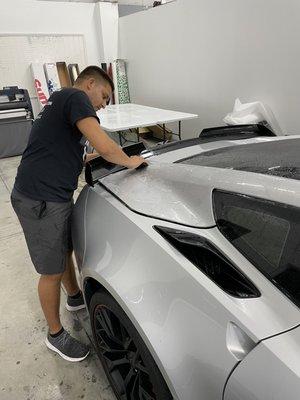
column 164, row 128
column 138, row 134
column 120, row 138
column 179, row 129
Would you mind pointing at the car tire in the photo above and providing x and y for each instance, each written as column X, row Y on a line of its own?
column 128, row 364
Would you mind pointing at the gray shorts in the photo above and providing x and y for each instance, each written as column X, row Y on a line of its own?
column 47, row 229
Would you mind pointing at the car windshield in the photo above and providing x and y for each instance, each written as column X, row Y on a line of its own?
column 278, row 158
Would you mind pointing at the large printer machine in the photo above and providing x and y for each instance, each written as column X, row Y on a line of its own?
column 16, row 118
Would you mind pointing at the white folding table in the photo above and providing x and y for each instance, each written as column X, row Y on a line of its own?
column 121, row 117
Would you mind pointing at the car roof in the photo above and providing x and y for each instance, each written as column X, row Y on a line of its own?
column 272, row 157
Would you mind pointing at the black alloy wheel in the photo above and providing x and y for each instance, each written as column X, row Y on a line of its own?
column 128, row 364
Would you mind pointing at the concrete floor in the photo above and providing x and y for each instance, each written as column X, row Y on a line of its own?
column 28, row 369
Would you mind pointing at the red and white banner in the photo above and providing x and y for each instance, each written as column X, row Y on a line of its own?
column 40, row 83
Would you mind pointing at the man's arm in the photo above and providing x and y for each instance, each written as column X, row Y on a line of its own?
column 104, row 145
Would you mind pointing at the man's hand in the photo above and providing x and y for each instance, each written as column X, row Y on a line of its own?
column 90, row 156
column 105, row 146
column 136, row 161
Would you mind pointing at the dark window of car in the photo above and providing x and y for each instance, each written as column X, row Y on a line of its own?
column 266, row 233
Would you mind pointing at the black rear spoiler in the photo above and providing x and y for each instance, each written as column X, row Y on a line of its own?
column 236, row 130
column 99, row 168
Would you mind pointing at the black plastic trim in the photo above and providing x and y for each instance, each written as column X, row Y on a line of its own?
column 185, row 242
column 99, row 168
column 257, row 129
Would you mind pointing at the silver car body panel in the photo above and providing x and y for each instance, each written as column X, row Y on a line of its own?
column 182, row 316
column 182, row 193
column 272, row 368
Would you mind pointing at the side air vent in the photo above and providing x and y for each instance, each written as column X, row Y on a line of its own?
column 207, row 258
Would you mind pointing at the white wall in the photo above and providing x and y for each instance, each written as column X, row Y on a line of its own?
column 147, row 3
column 136, row 2
column 98, row 23
column 30, row 16
column 199, row 55
column 18, row 53
column 107, row 27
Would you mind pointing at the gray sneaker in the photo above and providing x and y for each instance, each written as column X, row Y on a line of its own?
column 75, row 304
column 67, row 347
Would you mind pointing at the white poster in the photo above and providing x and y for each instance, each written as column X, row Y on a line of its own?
column 52, row 77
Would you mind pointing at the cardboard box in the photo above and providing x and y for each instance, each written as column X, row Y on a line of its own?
column 158, row 132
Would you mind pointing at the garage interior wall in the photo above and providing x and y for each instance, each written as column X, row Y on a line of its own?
column 30, row 17
column 199, row 55
column 96, row 23
column 107, row 24
column 16, row 71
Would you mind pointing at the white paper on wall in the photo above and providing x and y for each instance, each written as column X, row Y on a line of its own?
column 40, row 83
column 52, row 77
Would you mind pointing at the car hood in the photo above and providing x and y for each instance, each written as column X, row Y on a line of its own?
column 182, row 193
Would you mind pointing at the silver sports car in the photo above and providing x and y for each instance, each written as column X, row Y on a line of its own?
column 191, row 267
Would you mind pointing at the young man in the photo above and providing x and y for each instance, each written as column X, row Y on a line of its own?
column 43, row 191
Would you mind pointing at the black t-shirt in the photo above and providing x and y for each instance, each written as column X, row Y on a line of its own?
column 53, row 158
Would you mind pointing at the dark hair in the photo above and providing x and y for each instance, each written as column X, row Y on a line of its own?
column 92, row 71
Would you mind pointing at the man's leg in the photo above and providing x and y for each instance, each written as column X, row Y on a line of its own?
column 43, row 227
column 69, row 277
column 49, row 294
column 58, row 339
column 75, row 301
